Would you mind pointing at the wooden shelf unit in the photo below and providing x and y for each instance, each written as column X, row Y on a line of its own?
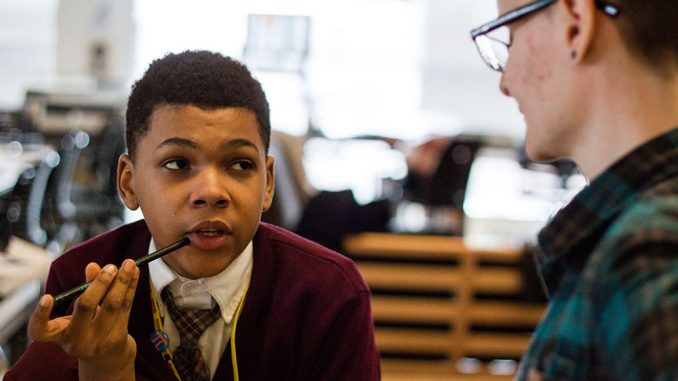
column 436, row 303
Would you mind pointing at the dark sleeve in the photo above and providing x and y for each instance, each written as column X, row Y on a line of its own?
column 350, row 352
column 637, row 308
column 44, row 361
column 48, row 362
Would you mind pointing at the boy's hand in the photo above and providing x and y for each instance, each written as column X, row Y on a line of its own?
column 96, row 333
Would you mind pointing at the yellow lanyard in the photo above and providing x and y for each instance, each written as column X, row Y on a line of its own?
column 167, row 355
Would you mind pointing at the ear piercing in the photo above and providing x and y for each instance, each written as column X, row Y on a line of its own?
column 573, row 54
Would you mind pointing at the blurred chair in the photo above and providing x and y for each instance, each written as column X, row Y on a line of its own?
column 60, row 212
column 23, row 209
column 448, row 185
column 24, row 263
column 445, row 185
column 330, row 216
column 98, row 206
column 438, row 173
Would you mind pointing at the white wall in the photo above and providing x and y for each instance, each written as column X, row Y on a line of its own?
column 27, row 47
column 456, row 84
column 84, row 26
column 390, row 67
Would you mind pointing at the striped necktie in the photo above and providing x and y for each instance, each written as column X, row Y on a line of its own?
column 187, row 357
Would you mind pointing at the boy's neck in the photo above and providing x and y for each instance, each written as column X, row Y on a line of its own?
column 627, row 107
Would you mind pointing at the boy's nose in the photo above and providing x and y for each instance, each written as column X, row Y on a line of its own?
column 210, row 191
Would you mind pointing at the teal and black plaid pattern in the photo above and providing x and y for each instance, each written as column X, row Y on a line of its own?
column 609, row 260
column 187, row 357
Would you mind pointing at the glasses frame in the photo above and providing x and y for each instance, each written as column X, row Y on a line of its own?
column 609, row 9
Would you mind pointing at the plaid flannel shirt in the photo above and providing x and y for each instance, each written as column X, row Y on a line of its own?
column 609, row 261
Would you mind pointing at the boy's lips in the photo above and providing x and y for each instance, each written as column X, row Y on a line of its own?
column 209, row 235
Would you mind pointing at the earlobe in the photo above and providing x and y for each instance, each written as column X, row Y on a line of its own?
column 270, row 183
column 580, row 26
column 125, row 182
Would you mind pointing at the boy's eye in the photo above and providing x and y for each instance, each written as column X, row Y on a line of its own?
column 175, row 164
column 242, row 165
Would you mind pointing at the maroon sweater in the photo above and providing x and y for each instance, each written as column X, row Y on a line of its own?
column 307, row 314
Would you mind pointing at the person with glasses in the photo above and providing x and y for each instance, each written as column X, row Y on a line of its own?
column 597, row 82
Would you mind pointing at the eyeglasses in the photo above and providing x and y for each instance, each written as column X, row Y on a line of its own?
column 493, row 39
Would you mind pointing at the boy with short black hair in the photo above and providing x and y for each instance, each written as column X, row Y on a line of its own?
column 244, row 299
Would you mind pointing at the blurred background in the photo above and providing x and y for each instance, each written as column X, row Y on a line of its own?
column 385, row 120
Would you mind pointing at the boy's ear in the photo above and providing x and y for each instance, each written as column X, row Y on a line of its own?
column 125, row 182
column 270, row 183
column 580, row 26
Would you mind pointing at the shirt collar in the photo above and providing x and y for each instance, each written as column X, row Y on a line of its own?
column 571, row 234
column 227, row 288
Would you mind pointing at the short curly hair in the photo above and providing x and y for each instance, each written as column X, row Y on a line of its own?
column 200, row 78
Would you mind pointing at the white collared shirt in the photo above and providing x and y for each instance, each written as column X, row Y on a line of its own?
column 227, row 288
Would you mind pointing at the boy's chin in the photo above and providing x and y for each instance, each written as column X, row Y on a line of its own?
column 192, row 273
column 196, row 266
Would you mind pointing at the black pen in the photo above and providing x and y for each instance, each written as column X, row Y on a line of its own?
column 67, row 295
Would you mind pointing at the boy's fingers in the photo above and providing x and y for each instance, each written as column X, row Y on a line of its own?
column 91, row 271
column 86, row 305
column 131, row 291
column 129, row 297
column 119, row 297
column 38, row 326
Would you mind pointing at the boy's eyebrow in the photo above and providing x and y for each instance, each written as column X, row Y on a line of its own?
column 235, row 143
column 178, row 142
